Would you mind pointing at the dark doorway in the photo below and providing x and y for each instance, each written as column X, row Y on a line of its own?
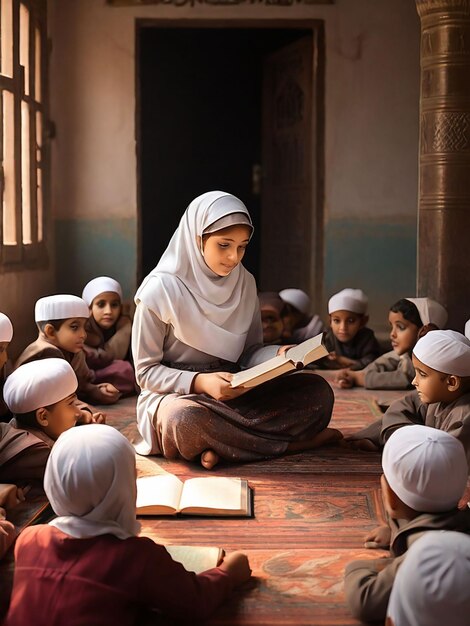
column 199, row 121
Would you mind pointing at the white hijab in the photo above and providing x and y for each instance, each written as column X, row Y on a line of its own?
column 210, row 313
column 91, row 484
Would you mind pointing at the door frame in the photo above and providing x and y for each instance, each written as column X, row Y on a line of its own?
column 317, row 28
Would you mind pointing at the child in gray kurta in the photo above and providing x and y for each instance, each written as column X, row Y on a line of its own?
column 197, row 322
column 442, row 396
column 408, row 318
column 424, row 475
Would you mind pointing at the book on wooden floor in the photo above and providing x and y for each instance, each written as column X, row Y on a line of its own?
column 216, row 496
column 293, row 359
column 196, row 559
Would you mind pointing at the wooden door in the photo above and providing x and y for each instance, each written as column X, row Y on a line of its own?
column 292, row 147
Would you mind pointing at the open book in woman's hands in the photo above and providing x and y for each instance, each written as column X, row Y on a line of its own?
column 295, row 358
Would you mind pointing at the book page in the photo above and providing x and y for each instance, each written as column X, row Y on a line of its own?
column 216, row 493
column 196, row 558
column 278, row 363
column 156, row 492
column 307, row 351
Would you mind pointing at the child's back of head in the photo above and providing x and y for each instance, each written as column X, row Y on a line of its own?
column 426, row 468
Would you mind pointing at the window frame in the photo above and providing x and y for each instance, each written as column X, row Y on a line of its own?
column 27, row 255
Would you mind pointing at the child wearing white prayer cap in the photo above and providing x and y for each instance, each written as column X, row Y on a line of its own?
column 299, row 323
column 6, row 335
column 350, row 343
column 61, row 321
column 424, row 476
column 108, row 337
column 409, row 318
column 431, row 587
column 89, row 565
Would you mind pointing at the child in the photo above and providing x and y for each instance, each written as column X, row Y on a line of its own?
column 424, row 475
column 42, row 397
column 197, row 321
column 6, row 335
column 299, row 323
column 350, row 342
column 431, row 587
column 108, row 335
column 441, row 360
column 10, row 495
column 408, row 318
column 272, row 310
column 88, row 565
column 61, row 321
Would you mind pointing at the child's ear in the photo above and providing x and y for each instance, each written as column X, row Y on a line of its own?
column 453, row 382
column 49, row 331
column 42, row 417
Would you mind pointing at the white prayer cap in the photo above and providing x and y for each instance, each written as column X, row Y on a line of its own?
column 354, row 300
column 446, row 351
column 430, row 311
column 6, row 328
column 39, row 383
column 296, row 298
column 60, row 307
column 467, row 329
column 432, row 585
column 426, row 468
column 102, row 284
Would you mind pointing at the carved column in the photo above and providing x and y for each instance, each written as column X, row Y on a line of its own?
column 444, row 165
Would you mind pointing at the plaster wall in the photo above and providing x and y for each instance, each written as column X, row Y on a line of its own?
column 371, row 139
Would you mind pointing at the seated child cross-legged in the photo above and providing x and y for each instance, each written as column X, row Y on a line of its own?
column 408, row 318
column 299, row 323
column 442, row 397
column 424, row 476
column 61, row 322
column 42, row 397
column 107, row 344
column 350, row 343
column 88, row 565
column 431, row 587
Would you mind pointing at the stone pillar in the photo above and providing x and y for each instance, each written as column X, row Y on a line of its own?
column 444, row 163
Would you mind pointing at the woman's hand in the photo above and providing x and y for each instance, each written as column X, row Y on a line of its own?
column 216, row 385
column 283, row 349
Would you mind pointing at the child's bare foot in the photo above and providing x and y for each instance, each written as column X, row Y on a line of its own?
column 209, row 459
column 328, row 436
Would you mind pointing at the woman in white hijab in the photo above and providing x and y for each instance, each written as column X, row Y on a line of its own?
column 197, row 321
column 88, row 566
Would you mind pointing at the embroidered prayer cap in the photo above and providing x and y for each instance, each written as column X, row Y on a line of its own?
column 431, row 586
column 430, row 311
column 39, row 383
column 426, row 468
column 296, row 298
column 234, row 219
column 102, row 284
column 446, row 351
column 6, row 328
column 467, row 329
column 90, row 483
column 60, row 307
column 354, row 300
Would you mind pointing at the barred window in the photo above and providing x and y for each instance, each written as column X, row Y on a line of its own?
column 23, row 167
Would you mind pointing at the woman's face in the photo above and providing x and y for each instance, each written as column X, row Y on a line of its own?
column 224, row 249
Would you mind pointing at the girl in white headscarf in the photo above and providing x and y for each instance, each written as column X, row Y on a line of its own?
column 197, row 321
column 88, row 566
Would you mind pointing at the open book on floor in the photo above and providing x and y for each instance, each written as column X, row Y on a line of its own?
column 196, row 558
column 293, row 359
column 216, row 496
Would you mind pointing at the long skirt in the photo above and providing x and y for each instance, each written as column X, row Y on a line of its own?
column 257, row 425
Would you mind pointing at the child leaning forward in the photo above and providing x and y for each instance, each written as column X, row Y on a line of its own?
column 88, row 566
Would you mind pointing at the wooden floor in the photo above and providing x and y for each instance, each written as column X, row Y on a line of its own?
column 312, row 511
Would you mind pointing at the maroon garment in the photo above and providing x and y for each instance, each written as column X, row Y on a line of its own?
column 62, row 581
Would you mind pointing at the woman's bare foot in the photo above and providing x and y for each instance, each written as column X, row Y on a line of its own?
column 209, row 458
column 328, row 436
